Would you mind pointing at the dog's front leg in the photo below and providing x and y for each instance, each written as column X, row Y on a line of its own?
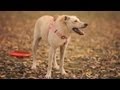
column 50, row 60
column 55, row 65
column 62, row 54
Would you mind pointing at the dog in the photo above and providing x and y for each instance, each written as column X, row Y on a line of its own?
column 57, row 32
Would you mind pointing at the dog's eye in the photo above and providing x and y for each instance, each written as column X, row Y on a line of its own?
column 75, row 21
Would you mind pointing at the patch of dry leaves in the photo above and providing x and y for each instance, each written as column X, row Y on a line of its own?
column 95, row 55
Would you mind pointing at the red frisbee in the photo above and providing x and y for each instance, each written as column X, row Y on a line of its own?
column 20, row 53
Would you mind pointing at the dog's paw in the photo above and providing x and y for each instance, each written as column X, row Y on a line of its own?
column 33, row 67
column 48, row 76
column 63, row 73
column 56, row 67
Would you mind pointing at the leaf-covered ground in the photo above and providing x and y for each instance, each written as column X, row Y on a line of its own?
column 96, row 55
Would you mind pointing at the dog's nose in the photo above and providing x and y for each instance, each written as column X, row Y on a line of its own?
column 86, row 24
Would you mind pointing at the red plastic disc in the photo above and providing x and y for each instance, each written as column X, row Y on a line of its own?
column 20, row 53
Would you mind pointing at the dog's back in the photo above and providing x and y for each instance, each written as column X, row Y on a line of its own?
column 42, row 26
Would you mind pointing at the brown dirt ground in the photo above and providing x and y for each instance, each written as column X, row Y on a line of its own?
column 96, row 55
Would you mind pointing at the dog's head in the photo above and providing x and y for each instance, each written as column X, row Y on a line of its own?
column 74, row 24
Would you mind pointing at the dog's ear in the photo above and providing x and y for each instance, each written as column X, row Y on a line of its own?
column 66, row 18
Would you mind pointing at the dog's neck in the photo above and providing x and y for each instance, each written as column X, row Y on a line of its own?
column 62, row 27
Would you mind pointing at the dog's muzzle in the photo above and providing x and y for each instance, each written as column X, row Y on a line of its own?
column 84, row 25
column 78, row 31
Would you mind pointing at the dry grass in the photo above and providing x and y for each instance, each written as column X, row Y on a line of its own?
column 94, row 55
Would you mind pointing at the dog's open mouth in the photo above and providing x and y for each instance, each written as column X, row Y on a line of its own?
column 78, row 31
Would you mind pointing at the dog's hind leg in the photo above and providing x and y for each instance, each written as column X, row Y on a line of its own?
column 36, row 40
column 34, row 48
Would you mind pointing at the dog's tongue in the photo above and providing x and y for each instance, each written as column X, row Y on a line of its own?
column 78, row 31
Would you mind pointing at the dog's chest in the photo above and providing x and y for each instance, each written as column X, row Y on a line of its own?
column 54, row 38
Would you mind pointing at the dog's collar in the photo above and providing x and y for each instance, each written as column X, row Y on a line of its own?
column 53, row 28
column 60, row 35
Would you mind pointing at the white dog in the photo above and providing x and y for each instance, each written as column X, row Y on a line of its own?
column 57, row 32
